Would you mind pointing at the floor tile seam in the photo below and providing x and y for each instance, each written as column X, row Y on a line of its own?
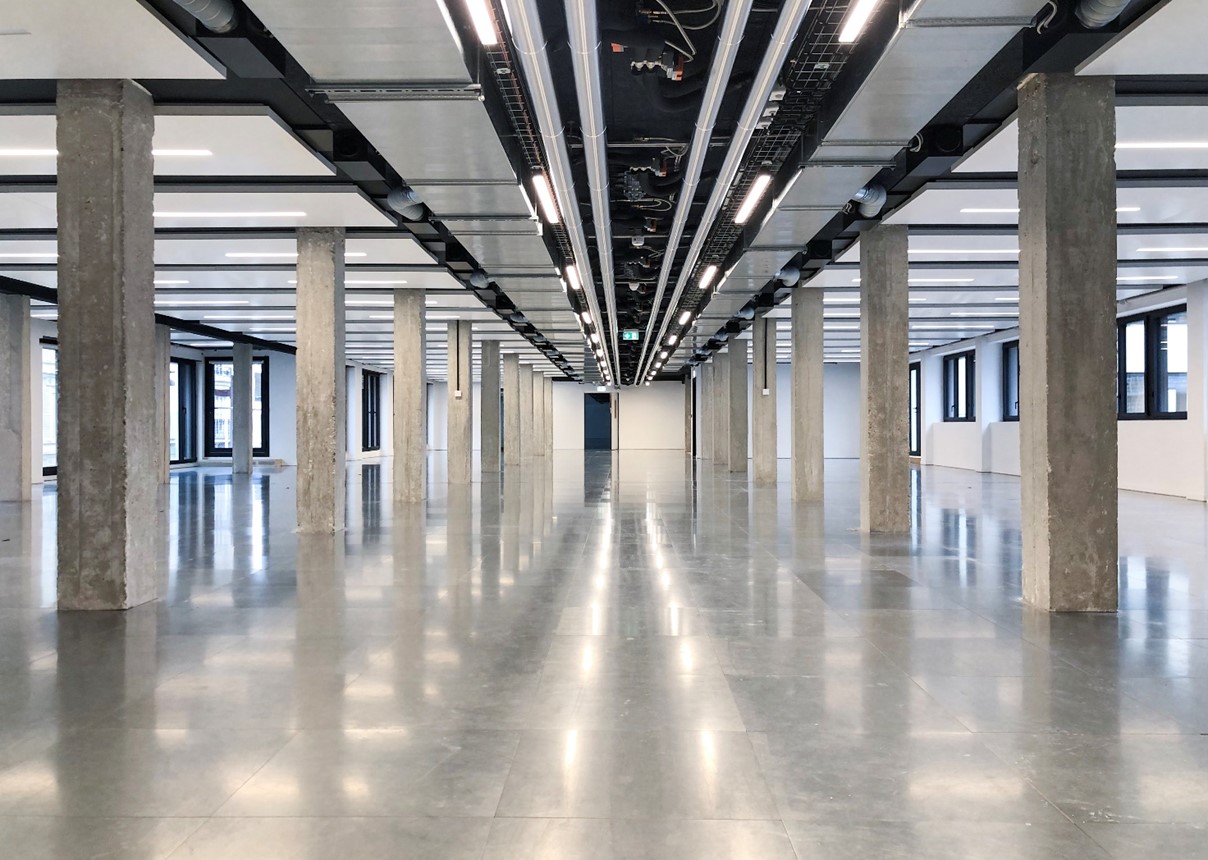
column 291, row 736
column 940, row 705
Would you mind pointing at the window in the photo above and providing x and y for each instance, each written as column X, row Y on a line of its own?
column 50, row 407
column 182, row 397
column 916, row 412
column 1010, row 381
column 371, row 417
column 1153, row 358
column 959, row 387
column 219, row 401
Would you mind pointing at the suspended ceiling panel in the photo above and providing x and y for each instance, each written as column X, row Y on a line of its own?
column 999, row 206
column 925, row 66
column 493, row 199
column 492, row 250
column 1169, row 41
column 1150, row 136
column 433, row 140
column 754, row 270
column 89, row 39
column 366, row 40
column 250, row 141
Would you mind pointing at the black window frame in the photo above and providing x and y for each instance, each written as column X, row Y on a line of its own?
column 1153, row 323
column 208, row 406
column 186, row 402
column 1010, row 346
column 951, row 362
column 916, row 416
column 371, row 410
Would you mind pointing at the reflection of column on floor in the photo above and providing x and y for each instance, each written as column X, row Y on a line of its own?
column 241, row 409
column 459, row 543
column 689, row 382
column 320, row 622
column 320, row 360
column 884, row 380
column 513, row 422
column 721, row 409
column 526, row 412
column 1067, row 304
column 410, row 398
column 738, row 406
column 489, row 414
column 412, row 570
column 16, row 400
column 808, row 353
column 548, row 431
column 107, row 433
column 704, row 419
column 459, row 447
column 763, row 400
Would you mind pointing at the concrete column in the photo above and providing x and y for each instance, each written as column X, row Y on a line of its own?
column 489, row 418
column 884, row 380
column 689, row 410
column 549, row 415
column 241, row 409
column 705, row 411
column 538, row 434
column 1197, row 389
column 107, row 438
column 526, row 411
column 410, row 398
column 763, row 401
column 16, row 400
column 739, row 404
column 513, row 423
column 163, row 364
column 808, row 352
column 321, row 396
column 721, row 409
column 459, row 446
column 1067, row 304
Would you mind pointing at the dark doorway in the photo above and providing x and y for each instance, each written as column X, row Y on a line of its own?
column 597, row 423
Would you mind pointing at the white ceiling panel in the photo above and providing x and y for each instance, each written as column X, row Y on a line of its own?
column 242, row 141
column 1150, row 138
column 508, row 250
column 366, row 40
column 493, row 199
column 114, row 39
column 999, row 206
column 1168, row 41
column 433, row 140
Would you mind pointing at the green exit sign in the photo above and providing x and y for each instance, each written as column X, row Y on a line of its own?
column 629, row 334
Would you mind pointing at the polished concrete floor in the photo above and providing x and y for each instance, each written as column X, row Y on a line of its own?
column 604, row 658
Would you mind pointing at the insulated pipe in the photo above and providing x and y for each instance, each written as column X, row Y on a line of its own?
column 728, row 39
column 871, row 199
column 583, row 27
column 1099, row 13
column 530, row 45
column 216, row 15
column 791, row 17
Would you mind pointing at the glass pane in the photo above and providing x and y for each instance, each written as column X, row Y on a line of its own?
column 1172, row 363
column 914, row 409
column 257, row 404
column 224, row 373
column 1134, row 367
column 962, row 393
column 50, row 407
column 174, row 452
column 1011, row 382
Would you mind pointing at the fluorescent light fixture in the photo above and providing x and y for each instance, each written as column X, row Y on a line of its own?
column 663, row 354
column 844, row 300
column 1003, row 312
column 707, row 277
column 1147, row 278
column 684, row 317
column 20, row 152
column 230, row 214
column 29, row 255
column 961, row 326
column 375, row 283
column 754, row 194
column 857, row 20
column 483, row 21
column 975, row 211
column 671, row 339
column 250, row 316
column 962, row 251
column 1172, row 250
column 1005, row 299
column 369, row 302
column 235, row 255
column 595, row 338
column 165, row 282
column 545, row 196
column 1163, row 144
column 381, row 316
column 586, row 317
column 572, row 275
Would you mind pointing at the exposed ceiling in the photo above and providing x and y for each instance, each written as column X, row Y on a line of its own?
column 653, row 124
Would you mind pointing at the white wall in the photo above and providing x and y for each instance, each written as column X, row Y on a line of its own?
column 568, row 415
column 438, row 416
column 651, row 417
column 282, row 406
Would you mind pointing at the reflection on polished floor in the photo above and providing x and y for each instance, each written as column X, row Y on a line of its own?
column 605, row 658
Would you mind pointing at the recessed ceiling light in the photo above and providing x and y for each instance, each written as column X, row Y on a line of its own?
column 199, row 302
column 250, row 316
column 545, row 196
column 483, row 21
column 961, row 326
column 26, row 152
column 572, row 275
column 168, row 282
column 385, row 303
column 1147, row 278
column 963, row 251
column 281, row 254
column 375, row 283
column 857, row 20
column 1005, row 299
column 28, row 255
column 230, row 214
column 684, row 317
column 1163, row 144
column 841, row 300
column 707, row 277
column 1172, row 250
column 1003, row 312
column 754, row 194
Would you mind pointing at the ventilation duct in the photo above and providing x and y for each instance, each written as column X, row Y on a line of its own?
column 405, row 202
column 871, row 199
column 789, row 276
column 216, row 15
column 1099, row 13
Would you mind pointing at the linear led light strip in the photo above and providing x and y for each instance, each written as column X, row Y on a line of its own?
column 1007, row 211
column 280, row 254
column 791, row 16
column 230, row 214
